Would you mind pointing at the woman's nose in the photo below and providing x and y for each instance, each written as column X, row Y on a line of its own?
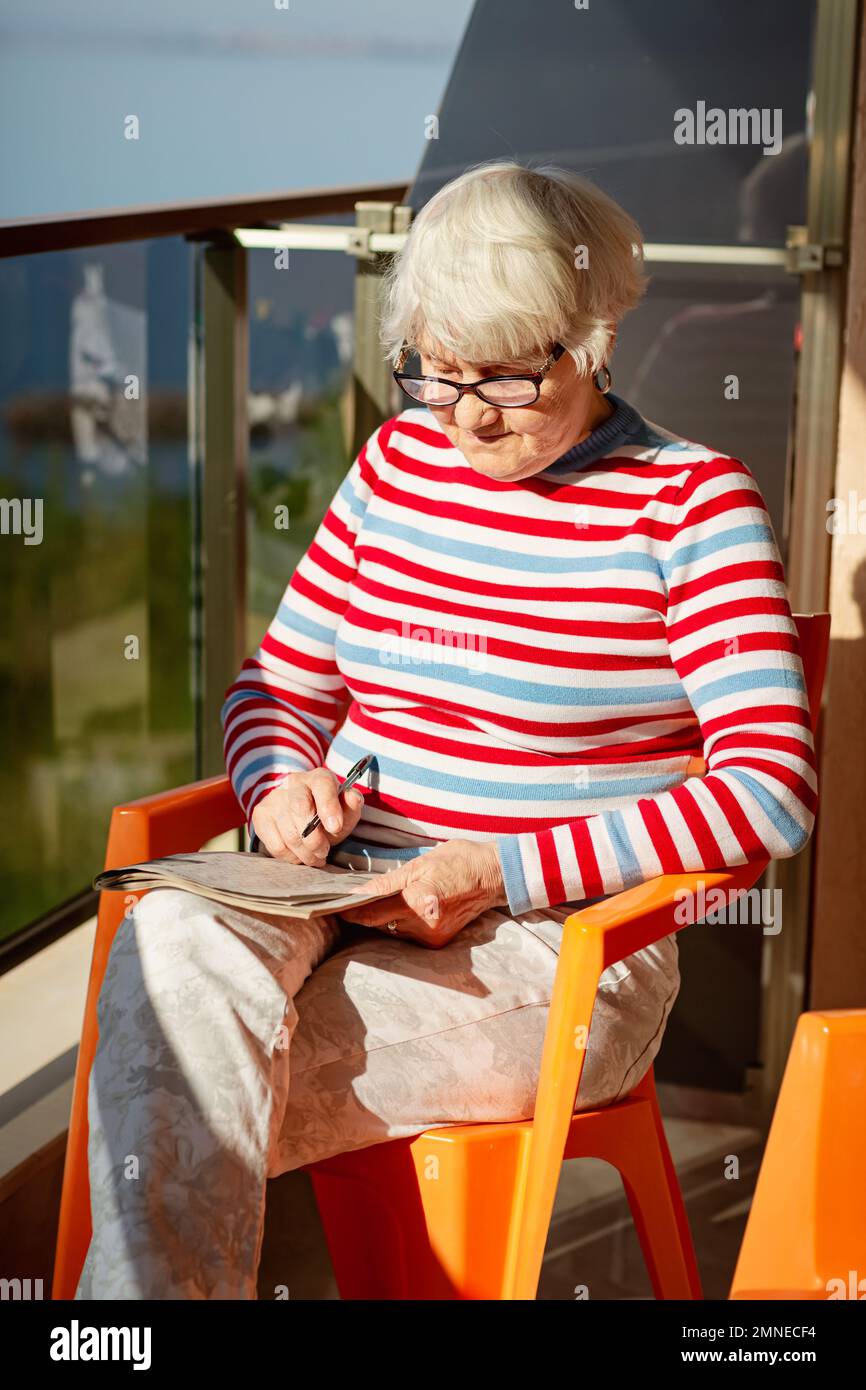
column 471, row 413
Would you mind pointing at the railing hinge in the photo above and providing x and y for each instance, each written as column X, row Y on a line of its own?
column 803, row 257
column 358, row 244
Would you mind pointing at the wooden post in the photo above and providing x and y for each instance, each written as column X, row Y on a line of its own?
column 807, row 558
column 838, row 954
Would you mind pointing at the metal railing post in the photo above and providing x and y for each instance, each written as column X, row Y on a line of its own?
column 225, row 438
column 372, row 392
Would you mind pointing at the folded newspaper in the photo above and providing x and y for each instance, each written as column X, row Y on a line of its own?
column 252, row 881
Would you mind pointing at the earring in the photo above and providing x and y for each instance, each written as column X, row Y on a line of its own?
column 604, row 389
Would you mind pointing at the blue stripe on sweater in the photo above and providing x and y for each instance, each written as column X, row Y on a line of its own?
column 756, row 534
column 498, row 556
column 791, row 831
column 396, row 854
column 629, row 865
column 348, row 493
column 569, row 789
column 486, row 683
column 298, row 622
column 777, row 678
column 270, row 760
column 512, row 874
column 245, row 692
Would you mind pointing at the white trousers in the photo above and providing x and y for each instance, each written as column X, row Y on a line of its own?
column 234, row 1047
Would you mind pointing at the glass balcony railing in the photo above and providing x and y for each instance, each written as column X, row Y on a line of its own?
column 96, row 700
column 300, row 343
column 103, row 470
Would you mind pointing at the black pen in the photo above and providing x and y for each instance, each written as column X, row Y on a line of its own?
column 351, row 778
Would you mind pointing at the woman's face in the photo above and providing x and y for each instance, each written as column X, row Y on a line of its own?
column 517, row 442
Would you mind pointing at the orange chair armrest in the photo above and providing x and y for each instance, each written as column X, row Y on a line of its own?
column 178, row 821
column 640, row 916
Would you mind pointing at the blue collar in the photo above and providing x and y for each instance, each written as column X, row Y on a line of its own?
column 624, row 421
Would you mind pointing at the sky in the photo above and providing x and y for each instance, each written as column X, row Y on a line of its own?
column 231, row 97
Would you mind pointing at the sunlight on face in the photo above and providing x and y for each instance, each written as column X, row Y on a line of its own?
column 514, row 443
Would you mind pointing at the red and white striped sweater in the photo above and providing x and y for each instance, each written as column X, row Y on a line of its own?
column 537, row 662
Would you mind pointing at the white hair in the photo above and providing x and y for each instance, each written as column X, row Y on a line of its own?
column 489, row 270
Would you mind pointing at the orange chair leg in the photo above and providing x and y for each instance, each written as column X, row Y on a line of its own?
column 630, row 1136
column 661, row 1223
column 683, row 1236
column 423, row 1218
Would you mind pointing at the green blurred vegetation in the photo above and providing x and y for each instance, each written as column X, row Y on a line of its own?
column 82, row 726
column 300, row 471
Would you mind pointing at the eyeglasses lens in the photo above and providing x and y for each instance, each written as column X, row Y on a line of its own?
column 509, row 392
column 430, row 392
column 439, row 393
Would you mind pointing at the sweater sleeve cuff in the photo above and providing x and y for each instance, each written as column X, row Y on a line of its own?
column 526, row 885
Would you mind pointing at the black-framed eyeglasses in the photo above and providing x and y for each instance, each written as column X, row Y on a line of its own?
column 502, row 391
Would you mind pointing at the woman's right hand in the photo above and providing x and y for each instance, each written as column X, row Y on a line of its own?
column 280, row 816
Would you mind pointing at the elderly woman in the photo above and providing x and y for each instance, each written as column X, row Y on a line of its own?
column 538, row 613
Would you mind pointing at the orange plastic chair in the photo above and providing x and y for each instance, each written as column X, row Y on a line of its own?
column 806, row 1232
column 462, row 1212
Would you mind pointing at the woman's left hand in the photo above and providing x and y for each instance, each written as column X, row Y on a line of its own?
column 432, row 898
